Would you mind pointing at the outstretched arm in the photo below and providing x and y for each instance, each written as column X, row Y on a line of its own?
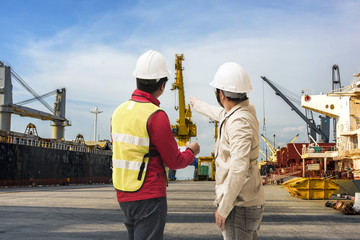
column 206, row 109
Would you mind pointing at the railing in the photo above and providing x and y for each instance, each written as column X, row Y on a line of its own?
column 319, row 149
column 278, row 175
column 51, row 144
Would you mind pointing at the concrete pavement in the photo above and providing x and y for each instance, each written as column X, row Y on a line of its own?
column 91, row 212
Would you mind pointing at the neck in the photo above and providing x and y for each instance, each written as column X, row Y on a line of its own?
column 228, row 105
column 157, row 93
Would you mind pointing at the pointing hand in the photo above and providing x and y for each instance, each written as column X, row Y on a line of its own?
column 193, row 100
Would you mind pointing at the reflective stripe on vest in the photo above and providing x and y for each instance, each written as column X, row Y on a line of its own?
column 131, row 144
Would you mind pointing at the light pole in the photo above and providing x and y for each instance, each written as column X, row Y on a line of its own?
column 96, row 112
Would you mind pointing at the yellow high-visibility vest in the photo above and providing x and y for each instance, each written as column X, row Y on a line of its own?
column 131, row 144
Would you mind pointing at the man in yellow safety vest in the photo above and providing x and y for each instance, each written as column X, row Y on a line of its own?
column 143, row 145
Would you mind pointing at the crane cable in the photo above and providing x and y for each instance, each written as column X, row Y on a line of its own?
column 293, row 97
column 176, row 104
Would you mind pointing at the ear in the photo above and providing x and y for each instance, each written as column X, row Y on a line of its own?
column 222, row 95
column 163, row 86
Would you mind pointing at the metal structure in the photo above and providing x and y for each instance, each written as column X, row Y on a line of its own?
column 185, row 128
column 28, row 159
column 31, row 130
column 267, row 159
column 293, row 140
column 310, row 123
column 336, row 84
column 95, row 112
column 273, row 150
column 7, row 107
column 343, row 105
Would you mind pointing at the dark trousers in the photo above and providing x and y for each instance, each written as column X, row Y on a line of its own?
column 145, row 219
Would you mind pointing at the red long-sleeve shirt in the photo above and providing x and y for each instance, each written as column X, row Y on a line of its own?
column 161, row 140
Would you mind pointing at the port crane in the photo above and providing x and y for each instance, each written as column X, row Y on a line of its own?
column 336, row 84
column 273, row 151
column 185, row 128
column 272, row 157
column 7, row 107
column 294, row 138
column 267, row 159
column 323, row 130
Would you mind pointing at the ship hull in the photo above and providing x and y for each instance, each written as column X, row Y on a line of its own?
column 32, row 165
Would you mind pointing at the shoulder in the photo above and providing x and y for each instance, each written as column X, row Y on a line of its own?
column 242, row 118
column 120, row 107
column 245, row 113
column 159, row 113
column 159, row 117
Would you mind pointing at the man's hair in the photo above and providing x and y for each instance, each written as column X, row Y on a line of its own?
column 149, row 85
column 241, row 98
column 233, row 97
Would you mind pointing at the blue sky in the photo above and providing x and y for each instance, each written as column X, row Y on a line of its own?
column 91, row 47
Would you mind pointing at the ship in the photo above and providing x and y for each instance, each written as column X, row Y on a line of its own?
column 27, row 159
column 336, row 163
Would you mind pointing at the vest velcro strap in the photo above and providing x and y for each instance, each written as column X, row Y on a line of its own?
column 152, row 153
column 141, row 171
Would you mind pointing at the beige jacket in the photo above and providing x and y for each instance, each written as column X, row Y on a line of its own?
column 238, row 181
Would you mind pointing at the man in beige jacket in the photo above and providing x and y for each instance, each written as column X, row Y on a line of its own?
column 239, row 191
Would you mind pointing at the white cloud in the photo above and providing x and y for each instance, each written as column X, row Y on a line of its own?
column 288, row 130
column 295, row 49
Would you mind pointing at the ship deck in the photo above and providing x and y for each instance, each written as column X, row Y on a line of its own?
column 91, row 212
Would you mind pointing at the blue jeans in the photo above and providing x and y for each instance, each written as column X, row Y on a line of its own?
column 243, row 223
column 145, row 219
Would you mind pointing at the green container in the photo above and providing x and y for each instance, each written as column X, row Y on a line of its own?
column 316, row 149
column 204, row 170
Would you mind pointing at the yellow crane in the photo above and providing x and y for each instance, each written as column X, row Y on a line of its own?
column 267, row 159
column 185, row 128
column 273, row 151
column 272, row 156
column 294, row 138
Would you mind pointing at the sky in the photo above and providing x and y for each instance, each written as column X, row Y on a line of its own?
column 91, row 48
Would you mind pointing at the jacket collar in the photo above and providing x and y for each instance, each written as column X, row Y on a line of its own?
column 142, row 96
column 229, row 113
column 236, row 107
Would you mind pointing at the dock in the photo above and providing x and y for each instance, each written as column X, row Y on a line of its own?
column 92, row 212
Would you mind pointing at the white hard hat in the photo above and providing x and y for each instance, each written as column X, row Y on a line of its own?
column 151, row 65
column 233, row 78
